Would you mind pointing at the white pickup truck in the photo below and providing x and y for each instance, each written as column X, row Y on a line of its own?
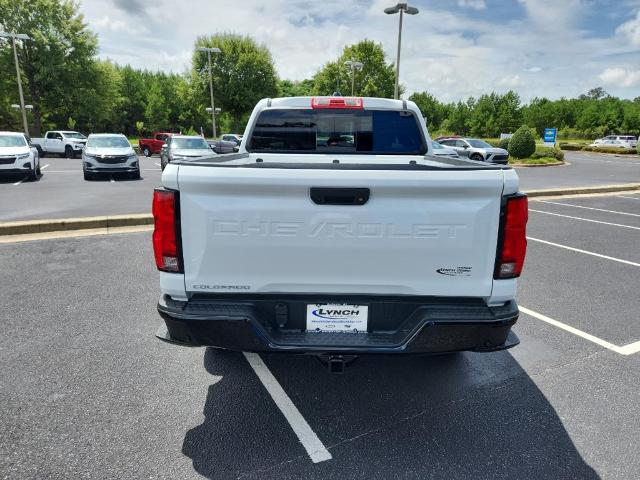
column 335, row 231
column 63, row 142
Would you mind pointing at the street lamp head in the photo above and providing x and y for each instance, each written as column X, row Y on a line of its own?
column 21, row 36
column 208, row 49
column 401, row 6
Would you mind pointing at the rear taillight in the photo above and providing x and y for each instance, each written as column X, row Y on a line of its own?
column 513, row 245
column 337, row 102
column 166, row 245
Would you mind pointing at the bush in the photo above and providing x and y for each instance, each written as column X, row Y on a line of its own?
column 571, row 146
column 548, row 152
column 619, row 151
column 638, row 148
column 504, row 143
column 522, row 144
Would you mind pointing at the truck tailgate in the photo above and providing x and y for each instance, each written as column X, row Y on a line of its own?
column 427, row 232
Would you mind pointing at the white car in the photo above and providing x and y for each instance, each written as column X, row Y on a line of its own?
column 630, row 140
column 612, row 143
column 440, row 150
column 335, row 231
column 109, row 153
column 63, row 142
column 18, row 156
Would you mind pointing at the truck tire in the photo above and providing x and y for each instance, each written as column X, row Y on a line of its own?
column 147, row 151
column 68, row 152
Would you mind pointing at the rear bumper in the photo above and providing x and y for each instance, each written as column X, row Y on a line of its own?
column 396, row 324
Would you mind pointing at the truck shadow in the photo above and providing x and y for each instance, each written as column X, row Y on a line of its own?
column 464, row 416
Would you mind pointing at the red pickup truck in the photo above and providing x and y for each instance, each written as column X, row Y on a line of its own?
column 149, row 146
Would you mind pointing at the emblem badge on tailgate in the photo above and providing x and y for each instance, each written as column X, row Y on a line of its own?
column 455, row 271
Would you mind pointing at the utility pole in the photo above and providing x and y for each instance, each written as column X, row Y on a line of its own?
column 353, row 65
column 399, row 8
column 213, row 107
column 13, row 37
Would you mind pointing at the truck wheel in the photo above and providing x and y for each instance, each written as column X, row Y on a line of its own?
column 68, row 152
column 477, row 157
column 146, row 151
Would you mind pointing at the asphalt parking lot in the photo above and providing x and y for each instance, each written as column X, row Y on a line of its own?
column 88, row 392
column 63, row 193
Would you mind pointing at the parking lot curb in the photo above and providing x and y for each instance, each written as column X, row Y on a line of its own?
column 554, row 192
column 82, row 223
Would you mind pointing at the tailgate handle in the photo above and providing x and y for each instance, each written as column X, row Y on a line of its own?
column 339, row 196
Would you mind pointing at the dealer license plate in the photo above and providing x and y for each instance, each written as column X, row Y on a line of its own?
column 337, row 317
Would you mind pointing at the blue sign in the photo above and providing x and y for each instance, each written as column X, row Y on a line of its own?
column 550, row 135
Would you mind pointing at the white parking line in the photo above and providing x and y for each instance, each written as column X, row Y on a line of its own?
column 629, row 349
column 627, row 262
column 630, row 198
column 309, row 440
column 157, row 164
column 589, row 208
column 18, row 183
column 46, row 166
column 585, row 219
column 112, row 181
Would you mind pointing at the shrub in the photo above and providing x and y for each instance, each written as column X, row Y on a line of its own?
column 548, row 152
column 522, row 144
column 619, row 151
column 504, row 143
column 638, row 148
column 571, row 146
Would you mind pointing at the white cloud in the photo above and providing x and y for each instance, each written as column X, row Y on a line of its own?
column 510, row 81
column 631, row 30
column 451, row 52
column 474, row 4
column 109, row 24
column 620, row 77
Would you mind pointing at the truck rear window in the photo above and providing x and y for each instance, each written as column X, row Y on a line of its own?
column 375, row 132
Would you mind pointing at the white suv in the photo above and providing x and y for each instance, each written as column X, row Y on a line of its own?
column 109, row 153
column 625, row 139
column 18, row 156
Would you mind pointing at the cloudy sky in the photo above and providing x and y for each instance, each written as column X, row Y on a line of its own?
column 452, row 48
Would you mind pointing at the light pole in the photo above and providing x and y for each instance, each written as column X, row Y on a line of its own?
column 401, row 8
column 13, row 37
column 213, row 108
column 353, row 65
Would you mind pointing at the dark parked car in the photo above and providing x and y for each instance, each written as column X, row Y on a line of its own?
column 222, row 146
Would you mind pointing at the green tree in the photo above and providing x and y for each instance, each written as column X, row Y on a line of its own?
column 289, row 88
column 243, row 73
column 376, row 79
column 56, row 61
column 156, row 112
column 434, row 112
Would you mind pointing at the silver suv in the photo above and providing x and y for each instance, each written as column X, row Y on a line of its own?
column 476, row 149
